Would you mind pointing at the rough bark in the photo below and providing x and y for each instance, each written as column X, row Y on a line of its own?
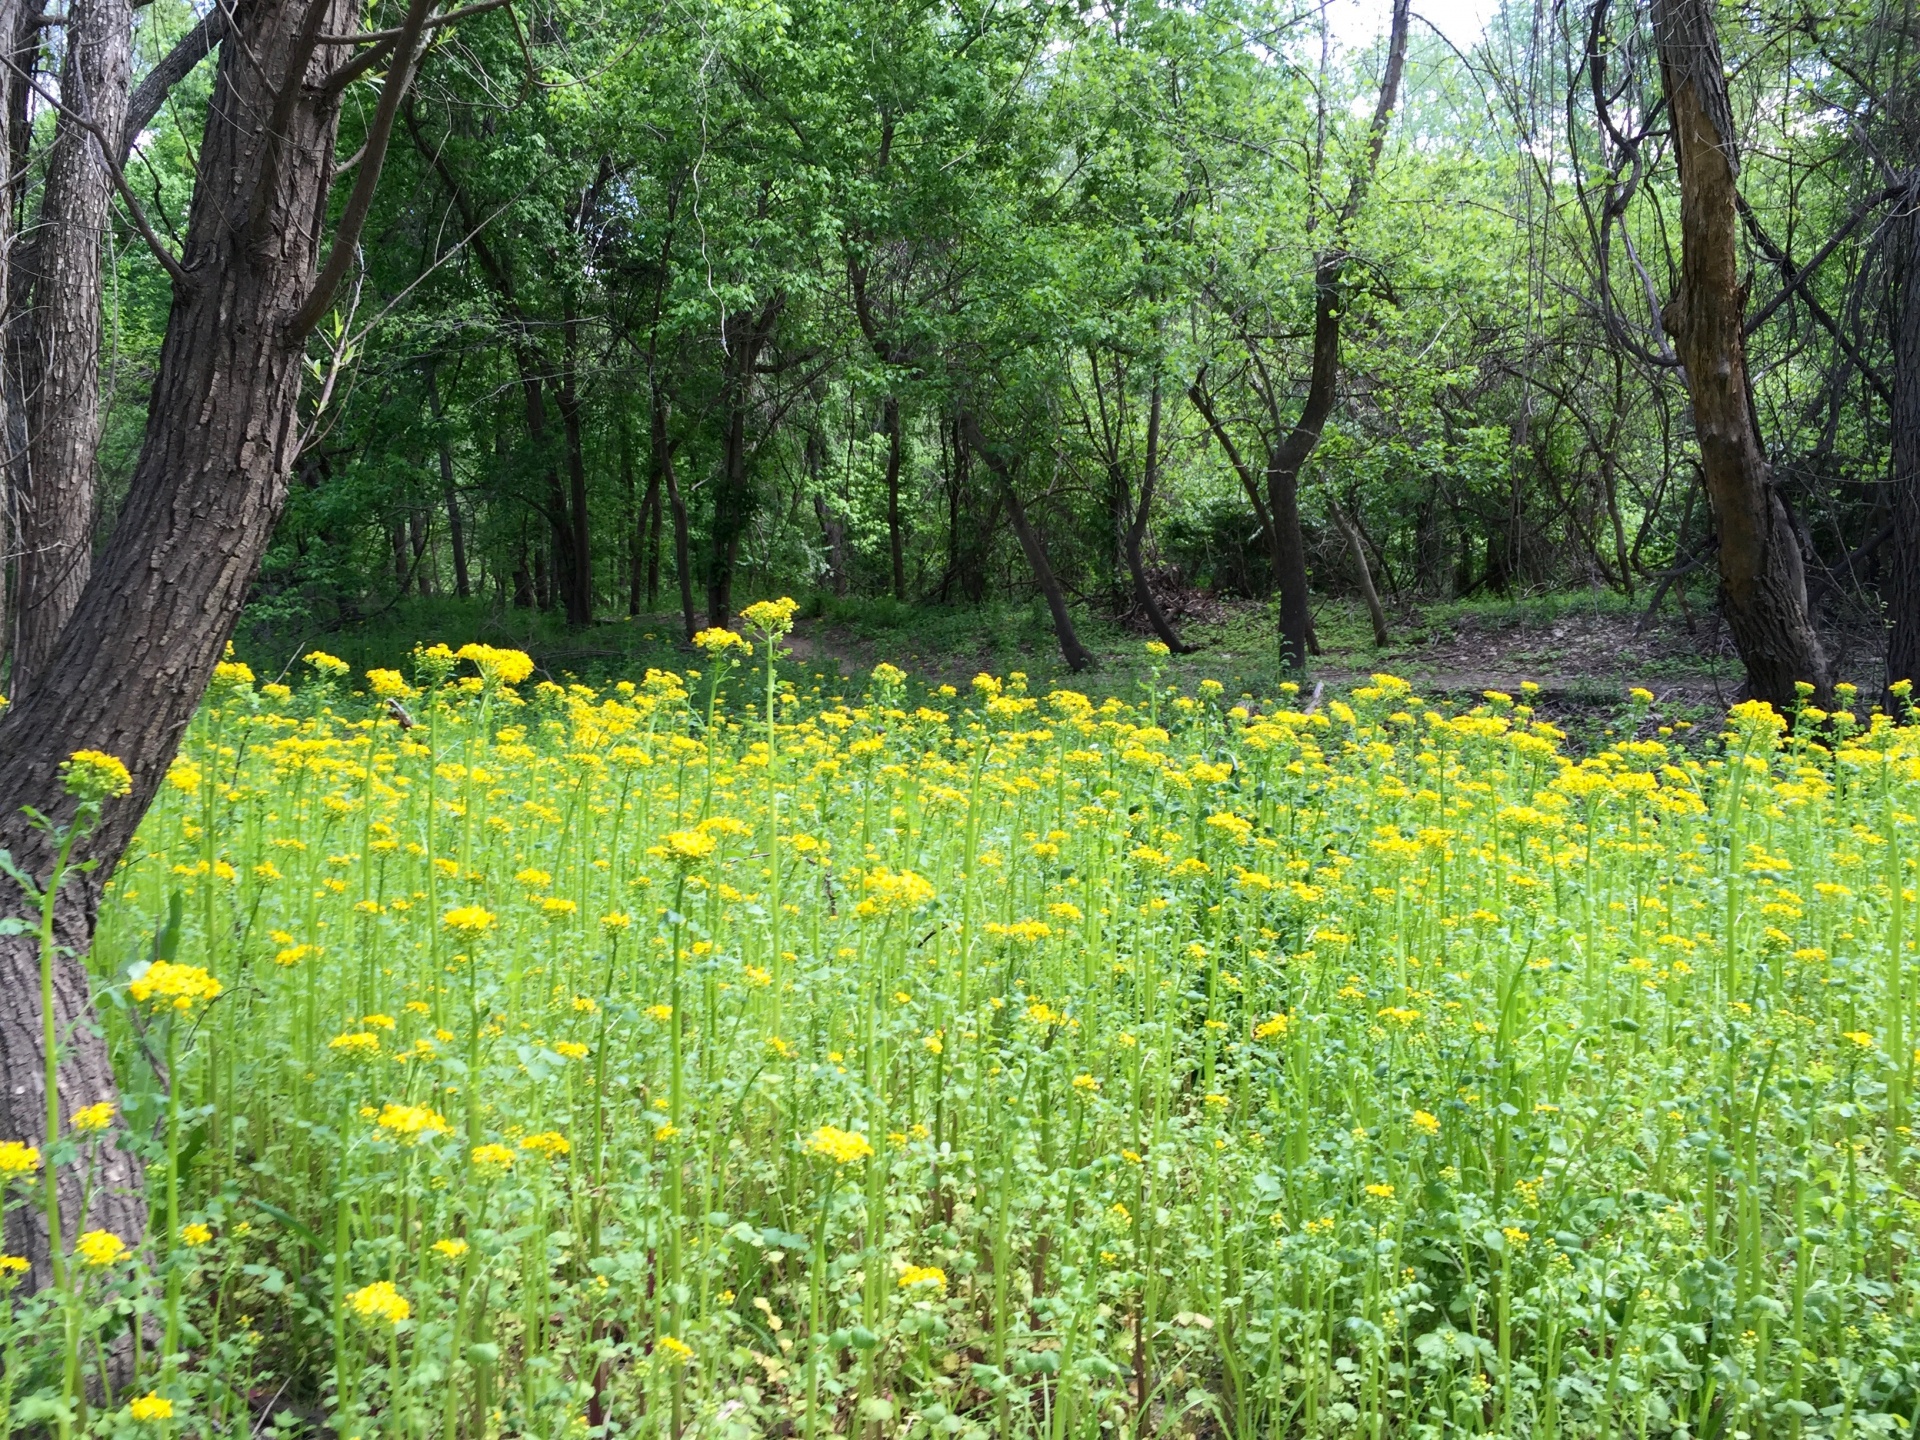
column 12, row 440
column 1763, row 588
column 1076, row 655
column 211, row 479
column 1903, row 641
column 57, row 340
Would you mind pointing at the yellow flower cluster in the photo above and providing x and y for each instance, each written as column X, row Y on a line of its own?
column 842, row 1147
column 95, row 775
column 177, row 987
column 380, row 1302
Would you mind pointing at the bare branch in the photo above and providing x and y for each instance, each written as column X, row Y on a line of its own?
column 346, row 239
column 108, row 149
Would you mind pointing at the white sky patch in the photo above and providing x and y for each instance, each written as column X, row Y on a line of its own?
column 1357, row 24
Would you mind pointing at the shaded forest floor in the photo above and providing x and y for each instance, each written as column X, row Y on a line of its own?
column 1584, row 650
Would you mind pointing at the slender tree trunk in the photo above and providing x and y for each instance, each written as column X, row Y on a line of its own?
column 654, row 526
column 58, row 342
column 1763, row 586
column 1077, row 656
column 1136, row 534
column 577, row 556
column 397, row 543
column 833, row 530
column 682, row 543
column 524, row 595
column 1289, row 457
column 1903, row 642
column 131, row 665
column 456, row 526
column 1277, row 557
column 729, row 515
column 749, row 332
column 896, row 541
column 1357, row 546
column 420, row 539
column 636, row 578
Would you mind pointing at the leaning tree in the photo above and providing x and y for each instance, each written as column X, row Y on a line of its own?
column 266, row 249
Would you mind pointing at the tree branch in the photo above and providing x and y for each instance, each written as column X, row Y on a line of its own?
column 371, row 36
column 114, row 172
column 353, row 218
column 175, row 66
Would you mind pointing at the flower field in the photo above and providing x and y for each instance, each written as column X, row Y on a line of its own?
column 708, row 1055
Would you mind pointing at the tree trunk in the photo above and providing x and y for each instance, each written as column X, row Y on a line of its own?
column 682, row 544
column 896, row 543
column 1263, row 516
column 748, row 333
column 833, row 530
column 1903, row 642
column 1077, row 656
column 636, row 578
column 524, row 596
column 1357, row 546
column 1763, row 586
column 456, row 526
column 57, row 348
column 1136, row 534
column 1289, row 457
column 654, row 519
column 419, row 538
column 12, row 408
column 130, row 667
column 397, row 543
column 577, row 555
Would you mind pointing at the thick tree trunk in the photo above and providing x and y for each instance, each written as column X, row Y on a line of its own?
column 1903, row 642
column 450, row 495
column 1763, row 586
column 1077, row 656
column 132, row 663
column 57, row 340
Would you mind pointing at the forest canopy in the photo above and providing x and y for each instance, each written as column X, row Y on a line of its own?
column 670, row 306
